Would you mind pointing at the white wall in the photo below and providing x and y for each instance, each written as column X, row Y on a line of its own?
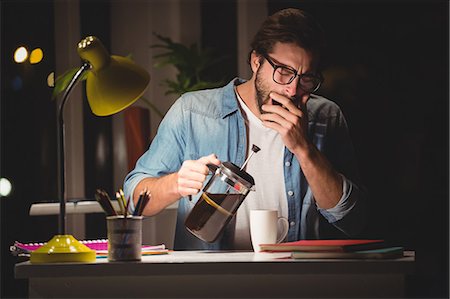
column 250, row 15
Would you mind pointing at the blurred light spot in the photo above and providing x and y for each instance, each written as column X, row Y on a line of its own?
column 20, row 55
column 36, row 56
column 101, row 151
column 51, row 79
column 17, row 83
column 5, row 187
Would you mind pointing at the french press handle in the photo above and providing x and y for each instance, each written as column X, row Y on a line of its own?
column 213, row 168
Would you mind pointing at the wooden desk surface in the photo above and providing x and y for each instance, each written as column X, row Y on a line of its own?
column 179, row 273
column 205, row 262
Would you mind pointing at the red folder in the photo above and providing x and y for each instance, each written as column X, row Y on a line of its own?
column 325, row 245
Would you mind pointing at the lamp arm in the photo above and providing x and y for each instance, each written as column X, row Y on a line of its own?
column 61, row 162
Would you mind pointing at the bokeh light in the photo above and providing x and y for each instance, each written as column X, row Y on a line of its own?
column 20, row 55
column 51, row 79
column 36, row 56
column 5, row 187
column 17, row 83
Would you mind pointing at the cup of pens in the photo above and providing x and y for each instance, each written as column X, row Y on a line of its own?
column 124, row 226
column 124, row 238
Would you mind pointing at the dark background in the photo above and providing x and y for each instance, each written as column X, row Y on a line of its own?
column 387, row 67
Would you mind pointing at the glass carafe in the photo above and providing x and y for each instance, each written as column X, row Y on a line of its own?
column 221, row 198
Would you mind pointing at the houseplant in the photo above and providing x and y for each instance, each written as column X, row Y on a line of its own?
column 191, row 62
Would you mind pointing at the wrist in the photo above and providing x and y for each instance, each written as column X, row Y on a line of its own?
column 174, row 190
column 306, row 153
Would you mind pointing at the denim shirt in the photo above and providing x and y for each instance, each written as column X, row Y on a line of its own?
column 210, row 121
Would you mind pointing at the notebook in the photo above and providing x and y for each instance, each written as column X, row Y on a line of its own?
column 325, row 245
column 383, row 253
column 100, row 247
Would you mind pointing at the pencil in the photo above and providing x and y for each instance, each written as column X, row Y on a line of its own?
column 145, row 201
column 104, row 201
column 123, row 197
column 120, row 202
column 108, row 202
column 139, row 203
column 126, row 208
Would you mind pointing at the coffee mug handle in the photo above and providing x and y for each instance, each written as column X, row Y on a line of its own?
column 285, row 228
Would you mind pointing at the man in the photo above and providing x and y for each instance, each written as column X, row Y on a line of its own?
column 305, row 168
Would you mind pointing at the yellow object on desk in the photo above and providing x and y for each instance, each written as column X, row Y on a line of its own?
column 62, row 248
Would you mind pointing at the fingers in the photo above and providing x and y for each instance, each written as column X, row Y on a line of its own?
column 283, row 100
column 211, row 159
column 192, row 174
column 290, row 103
column 304, row 99
column 287, row 103
column 282, row 119
column 188, row 187
column 285, row 119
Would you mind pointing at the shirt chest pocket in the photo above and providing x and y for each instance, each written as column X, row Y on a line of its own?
column 318, row 133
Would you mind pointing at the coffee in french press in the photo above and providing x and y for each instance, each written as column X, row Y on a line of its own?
column 220, row 200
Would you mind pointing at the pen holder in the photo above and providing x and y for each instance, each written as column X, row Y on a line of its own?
column 124, row 238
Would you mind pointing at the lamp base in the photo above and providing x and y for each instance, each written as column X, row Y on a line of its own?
column 62, row 249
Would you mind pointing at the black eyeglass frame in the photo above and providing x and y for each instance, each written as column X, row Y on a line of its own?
column 296, row 74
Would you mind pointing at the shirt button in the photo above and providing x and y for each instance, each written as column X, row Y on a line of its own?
column 292, row 223
column 287, row 163
column 290, row 193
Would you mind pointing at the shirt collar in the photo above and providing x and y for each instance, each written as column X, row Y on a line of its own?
column 229, row 100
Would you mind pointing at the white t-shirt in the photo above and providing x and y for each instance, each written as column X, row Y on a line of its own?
column 266, row 167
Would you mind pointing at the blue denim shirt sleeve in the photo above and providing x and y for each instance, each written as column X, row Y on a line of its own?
column 345, row 204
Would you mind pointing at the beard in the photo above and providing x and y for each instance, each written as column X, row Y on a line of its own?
column 262, row 91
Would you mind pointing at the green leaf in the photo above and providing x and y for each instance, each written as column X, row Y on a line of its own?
column 63, row 81
column 190, row 62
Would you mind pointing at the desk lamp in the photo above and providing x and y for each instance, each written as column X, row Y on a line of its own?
column 113, row 83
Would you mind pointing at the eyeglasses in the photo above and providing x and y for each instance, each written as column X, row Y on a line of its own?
column 284, row 75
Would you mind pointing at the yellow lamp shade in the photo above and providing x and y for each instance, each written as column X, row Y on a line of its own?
column 113, row 82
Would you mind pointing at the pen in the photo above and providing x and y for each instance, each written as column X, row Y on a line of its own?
column 139, row 203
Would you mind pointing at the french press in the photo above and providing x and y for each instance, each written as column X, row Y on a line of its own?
column 220, row 200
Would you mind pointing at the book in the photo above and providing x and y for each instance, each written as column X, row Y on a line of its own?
column 100, row 247
column 325, row 245
column 382, row 253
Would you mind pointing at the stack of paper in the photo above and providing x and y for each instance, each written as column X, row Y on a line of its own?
column 336, row 249
column 100, row 246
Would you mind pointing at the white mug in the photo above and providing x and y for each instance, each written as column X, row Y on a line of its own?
column 264, row 227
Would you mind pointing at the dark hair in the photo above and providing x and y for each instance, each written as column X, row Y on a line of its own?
column 289, row 26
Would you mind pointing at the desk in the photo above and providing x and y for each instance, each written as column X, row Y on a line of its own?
column 206, row 274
